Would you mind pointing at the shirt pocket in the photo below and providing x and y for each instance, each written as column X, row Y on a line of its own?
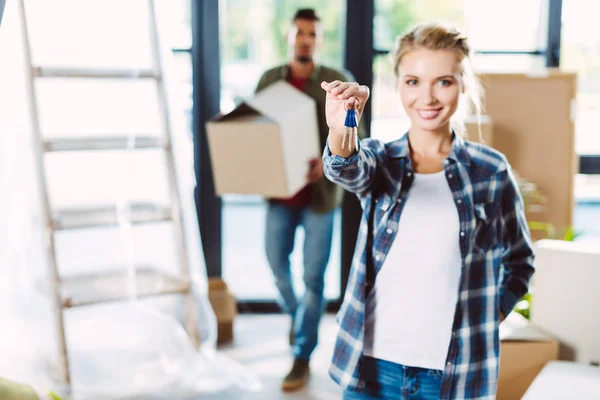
column 383, row 208
column 485, row 233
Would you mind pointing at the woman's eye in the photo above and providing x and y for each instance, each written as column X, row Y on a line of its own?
column 445, row 82
column 411, row 82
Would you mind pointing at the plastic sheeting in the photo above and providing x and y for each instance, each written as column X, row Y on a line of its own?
column 131, row 349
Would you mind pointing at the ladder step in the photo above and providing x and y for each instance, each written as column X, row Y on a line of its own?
column 46, row 72
column 112, row 285
column 103, row 143
column 80, row 218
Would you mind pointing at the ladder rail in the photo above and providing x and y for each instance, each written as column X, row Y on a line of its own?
column 41, row 146
column 191, row 317
column 49, row 244
column 97, row 73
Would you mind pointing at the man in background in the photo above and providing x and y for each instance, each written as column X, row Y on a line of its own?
column 312, row 207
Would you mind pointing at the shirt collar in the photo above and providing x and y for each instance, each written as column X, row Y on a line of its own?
column 285, row 72
column 458, row 153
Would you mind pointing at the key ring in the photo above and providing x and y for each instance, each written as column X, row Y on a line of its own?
column 356, row 106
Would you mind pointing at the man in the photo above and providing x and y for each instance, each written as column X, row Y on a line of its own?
column 312, row 207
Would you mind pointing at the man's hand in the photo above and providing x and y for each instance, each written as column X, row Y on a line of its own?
column 315, row 170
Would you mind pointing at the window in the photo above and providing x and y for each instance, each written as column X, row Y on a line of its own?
column 485, row 21
column 511, row 25
column 114, row 35
column 580, row 51
column 253, row 39
column 393, row 17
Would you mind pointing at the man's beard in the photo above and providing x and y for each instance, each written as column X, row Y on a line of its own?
column 303, row 59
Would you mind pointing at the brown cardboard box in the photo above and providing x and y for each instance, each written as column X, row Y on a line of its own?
column 264, row 145
column 534, row 128
column 524, row 351
column 225, row 308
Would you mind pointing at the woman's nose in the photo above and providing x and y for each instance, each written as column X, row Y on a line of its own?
column 427, row 95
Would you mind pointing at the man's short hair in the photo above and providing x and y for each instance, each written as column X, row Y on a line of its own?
column 306, row 13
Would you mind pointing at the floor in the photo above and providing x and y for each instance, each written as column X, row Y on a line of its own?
column 261, row 344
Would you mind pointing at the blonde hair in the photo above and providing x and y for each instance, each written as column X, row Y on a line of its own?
column 436, row 36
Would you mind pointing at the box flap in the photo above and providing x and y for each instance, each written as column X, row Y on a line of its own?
column 242, row 110
column 569, row 247
column 517, row 328
column 279, row 100
column 565, row 380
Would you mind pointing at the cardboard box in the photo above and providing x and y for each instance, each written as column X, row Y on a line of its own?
column 524, row 351
column 225, row 308
column 565, row 380
column 264, row 145
column 533, row 118
column 566, row 302
column 487, row 131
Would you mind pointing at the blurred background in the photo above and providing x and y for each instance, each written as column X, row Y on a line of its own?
column 215, row 51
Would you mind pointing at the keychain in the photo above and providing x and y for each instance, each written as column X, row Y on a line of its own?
column 350, row 129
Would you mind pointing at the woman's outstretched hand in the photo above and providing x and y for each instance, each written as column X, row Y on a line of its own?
column 342, row 96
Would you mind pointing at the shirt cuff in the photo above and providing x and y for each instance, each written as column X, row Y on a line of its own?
column 336, row 161
column 507, row 302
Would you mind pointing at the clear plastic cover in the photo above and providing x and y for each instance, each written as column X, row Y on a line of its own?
column 135, row 348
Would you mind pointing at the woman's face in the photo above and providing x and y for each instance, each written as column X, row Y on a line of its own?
column 430, row 85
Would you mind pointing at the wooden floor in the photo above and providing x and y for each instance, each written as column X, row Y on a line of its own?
column 261, row 344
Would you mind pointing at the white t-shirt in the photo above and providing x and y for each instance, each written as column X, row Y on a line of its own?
column 410, row 311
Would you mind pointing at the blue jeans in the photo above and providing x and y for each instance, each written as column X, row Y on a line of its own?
column 388, row 380
column 282, row 222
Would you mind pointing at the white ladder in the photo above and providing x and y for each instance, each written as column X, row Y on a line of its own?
column 108, row 286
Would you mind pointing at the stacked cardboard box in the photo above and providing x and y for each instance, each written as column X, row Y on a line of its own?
column 565, row 380
column 524, row 351
column 533, row 118
column 225, row 308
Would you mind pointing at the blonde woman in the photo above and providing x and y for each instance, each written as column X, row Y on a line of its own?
column 444, row 251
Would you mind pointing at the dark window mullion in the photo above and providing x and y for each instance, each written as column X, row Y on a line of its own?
column 177, row 50
column 358, row 60
column 206, row 95
column 554, row 33
column 589, row 164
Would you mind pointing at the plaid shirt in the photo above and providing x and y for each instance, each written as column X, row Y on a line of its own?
column 496, row 252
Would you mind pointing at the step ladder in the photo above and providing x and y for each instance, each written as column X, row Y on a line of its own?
column 111, row 286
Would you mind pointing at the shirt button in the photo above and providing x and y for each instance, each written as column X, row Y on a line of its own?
column 448, row 363
column 462, row 233
column 389, row 230
column 459, row 201
column 450, row 175
column 377, row 257
column 409, row 174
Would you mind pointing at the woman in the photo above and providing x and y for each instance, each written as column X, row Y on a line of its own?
column 443, row 235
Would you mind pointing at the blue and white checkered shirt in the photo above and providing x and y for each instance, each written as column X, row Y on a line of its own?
column 495, row 244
